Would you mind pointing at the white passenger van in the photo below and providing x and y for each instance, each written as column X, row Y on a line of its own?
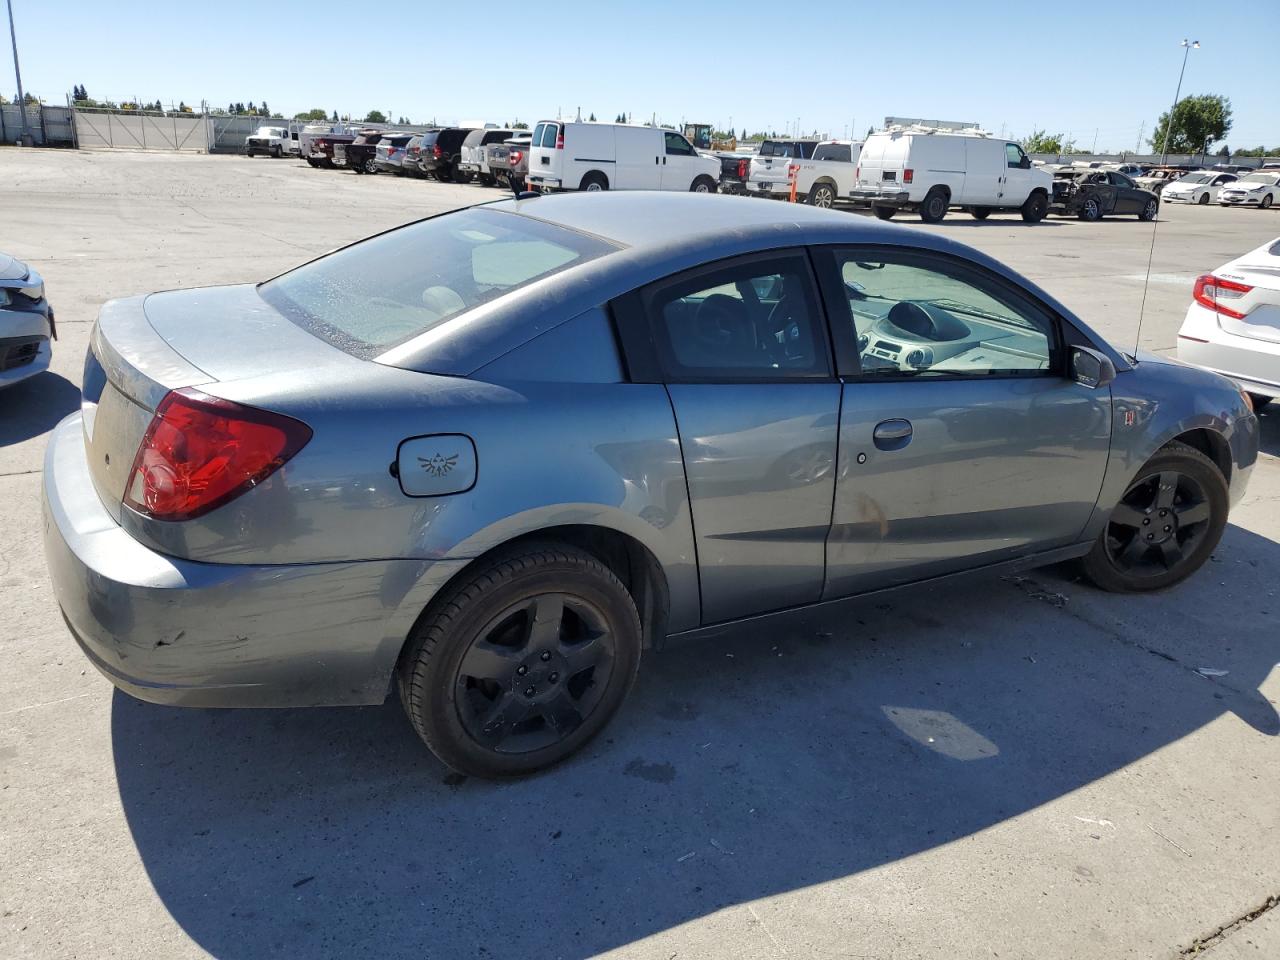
column 616, row 156
column 932, row 169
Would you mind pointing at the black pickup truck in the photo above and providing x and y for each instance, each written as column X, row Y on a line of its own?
column 361, row 151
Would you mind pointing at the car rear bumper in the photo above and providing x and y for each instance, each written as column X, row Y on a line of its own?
column 1252, row 363
column 880, row 198
column 221, row 635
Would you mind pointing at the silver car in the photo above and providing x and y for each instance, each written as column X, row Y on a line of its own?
column 27, row 326
column 493, row 458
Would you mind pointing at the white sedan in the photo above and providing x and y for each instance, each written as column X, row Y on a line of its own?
column 1233, row 324
column 1261, row 189
column 1198, row 187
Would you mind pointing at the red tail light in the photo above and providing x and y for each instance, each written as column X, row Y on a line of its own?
column 514, row 157
column 908, row 175
column 1210, row 291
column 200, row 452
column 436, row 151
column 742, row 169
column 560, row 138
column 857, row 172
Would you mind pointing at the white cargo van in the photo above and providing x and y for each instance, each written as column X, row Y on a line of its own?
column 616, row 156
column 931, row 170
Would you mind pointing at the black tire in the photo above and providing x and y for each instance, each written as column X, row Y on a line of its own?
column 1266, row 202
column 357, row 168
column 1090, row 210
column 1188, row 508
column 460, row 177
column 934, row 206
column 703, row 184
column 313, row 163
column 248, row 153
column 594, row 182
column 979, row 213
column 1203, row 201
column 1035, row 208
column 884, row 213
column 1150, row 210
column 275, row 152
column 371, row 165
column 463, row 718
column 487, row 181
column 821, row 195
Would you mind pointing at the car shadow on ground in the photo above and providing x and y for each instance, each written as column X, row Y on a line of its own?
column 33, row 407
column 1269, row 429
column 737, row 770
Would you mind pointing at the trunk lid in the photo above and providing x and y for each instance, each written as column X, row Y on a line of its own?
column 143, row 347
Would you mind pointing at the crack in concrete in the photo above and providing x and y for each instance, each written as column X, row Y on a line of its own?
column 21, row 473
column 1198, row 946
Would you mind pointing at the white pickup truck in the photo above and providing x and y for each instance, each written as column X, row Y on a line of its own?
column 271, row 141
column 824, row 177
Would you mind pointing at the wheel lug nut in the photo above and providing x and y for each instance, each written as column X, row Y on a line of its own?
column 1167, row 529
column 1146, row 522
column 529, row 691
column 522, row 670
column 554, row 677
column 546, row 655
column 1151, row 536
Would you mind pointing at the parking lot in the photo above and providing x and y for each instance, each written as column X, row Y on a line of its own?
column 1025, row 767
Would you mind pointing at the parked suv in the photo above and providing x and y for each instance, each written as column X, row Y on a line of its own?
column 361, row 153
column 473, row 159
column 390, row 152
column 931, row 170
column 440, row 159
column 617, row 156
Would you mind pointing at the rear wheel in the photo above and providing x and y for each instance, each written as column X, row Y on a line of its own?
column 519, row 665
column 594, row 182
column 935, row 205
column 371, row 166
column 1149, row 211
column 703, row 184
column 1165, row 526
column 821, row 195
column 1035, row 207
column 884, row 213
column 979, row 213
column 1090, row 210
column 249, row 152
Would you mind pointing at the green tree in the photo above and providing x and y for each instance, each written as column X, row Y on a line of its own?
column 375, row 116
column 264, row 110
column 1259, row 151
column 316, row 114
column 1041, row 142
column 519, row 125
column 870, row 131
column 1224, row 151
column 592, row 118
column 1198, row 121
column 334, row 118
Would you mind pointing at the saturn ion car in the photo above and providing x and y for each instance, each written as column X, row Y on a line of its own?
column 27, row 326
column 493, row 458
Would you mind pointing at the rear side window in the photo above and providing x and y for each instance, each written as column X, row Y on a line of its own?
column 771, row 148
column 390, row 288
column 495, row 136
column 834, row 151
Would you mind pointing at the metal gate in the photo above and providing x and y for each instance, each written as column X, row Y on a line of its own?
column 141, row 130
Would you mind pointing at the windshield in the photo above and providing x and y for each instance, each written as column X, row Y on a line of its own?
column 1259, row 178
column 382, row 291
column 1196, row 178
column 771, row 149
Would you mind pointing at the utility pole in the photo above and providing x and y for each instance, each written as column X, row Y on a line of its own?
column 1187, row 47
column 1141, row 129
column 22, row 100
column 1094, row 151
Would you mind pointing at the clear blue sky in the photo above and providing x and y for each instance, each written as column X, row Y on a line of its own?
column 1009, row 65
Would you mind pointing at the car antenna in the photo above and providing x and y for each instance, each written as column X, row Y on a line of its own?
column 1146, row 282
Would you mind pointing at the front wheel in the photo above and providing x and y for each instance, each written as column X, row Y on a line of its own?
column 703, row 185
column 371, row 165
column 1035, row 208
column 1150, row 210
column 1204, row 200
column 519, row 665
column 1091, row 210
column 1164, row 527
column 275, row 153
column 1266, row 202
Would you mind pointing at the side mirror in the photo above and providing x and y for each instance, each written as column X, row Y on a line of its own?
column 1091, row 368
column 1025, row 163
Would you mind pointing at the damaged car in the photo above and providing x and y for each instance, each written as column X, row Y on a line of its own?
column 1094, row 194
column 26, row 322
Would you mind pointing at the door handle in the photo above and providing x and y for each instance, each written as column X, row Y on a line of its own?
column 892, row 434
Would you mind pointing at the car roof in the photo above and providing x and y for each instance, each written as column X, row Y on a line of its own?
column 656, row 234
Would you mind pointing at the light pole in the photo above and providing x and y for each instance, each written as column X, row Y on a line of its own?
column 1187, row 47
column 22, row 105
